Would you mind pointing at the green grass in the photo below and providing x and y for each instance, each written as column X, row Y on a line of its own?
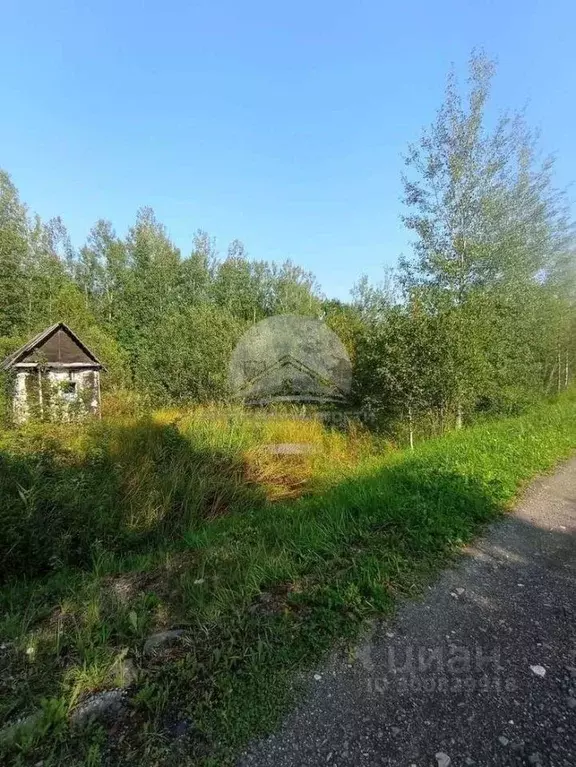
column 132, row 485
column 265, row 587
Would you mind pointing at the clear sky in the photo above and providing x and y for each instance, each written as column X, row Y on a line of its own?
column 279, row 123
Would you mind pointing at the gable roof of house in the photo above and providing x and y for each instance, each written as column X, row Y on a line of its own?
column 13, row 359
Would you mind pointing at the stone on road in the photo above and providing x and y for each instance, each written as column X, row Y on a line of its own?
column 480, row 671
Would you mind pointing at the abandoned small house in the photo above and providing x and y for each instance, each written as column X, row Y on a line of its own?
column 55, row 377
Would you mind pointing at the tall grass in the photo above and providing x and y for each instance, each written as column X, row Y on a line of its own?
column 263, row 588
column 128, row 484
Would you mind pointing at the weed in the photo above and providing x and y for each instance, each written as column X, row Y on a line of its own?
column 263, row 589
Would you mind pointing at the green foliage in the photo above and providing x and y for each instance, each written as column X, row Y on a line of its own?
column 114, row 529
column 117, row 528
column 483, row 208
column 129, row 485
column 187, row 357
column 120, row 487
column 261, row 593
column 346, row 322
column 483, row 321
column 479, row 321
column 161, row 323
column 12, row 281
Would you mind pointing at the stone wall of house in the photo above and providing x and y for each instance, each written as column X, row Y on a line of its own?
column 59, row 395
column 21, row 409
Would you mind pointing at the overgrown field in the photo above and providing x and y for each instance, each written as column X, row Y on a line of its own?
column 187, row 520
column 132, row 485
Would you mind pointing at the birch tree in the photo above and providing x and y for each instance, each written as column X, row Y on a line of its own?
column 486, row 217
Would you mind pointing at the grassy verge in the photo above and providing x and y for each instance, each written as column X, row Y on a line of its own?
column 264, row 589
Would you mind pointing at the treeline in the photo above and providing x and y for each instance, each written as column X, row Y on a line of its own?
column 164, row 324
column 480, row 319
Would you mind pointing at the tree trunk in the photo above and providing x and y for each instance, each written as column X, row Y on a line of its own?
column 411, row 428
column 550, row 379
column 459, row 416
column 566, row 371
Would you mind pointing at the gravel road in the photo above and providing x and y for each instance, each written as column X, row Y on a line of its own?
column 480, row 671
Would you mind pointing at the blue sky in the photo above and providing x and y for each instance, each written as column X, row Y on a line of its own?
column 281, row 124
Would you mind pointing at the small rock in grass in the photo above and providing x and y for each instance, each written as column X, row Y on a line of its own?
column 317, row 677
column 28, row 724
column 571, row 702
column 291, row 448
column 181, row 728
column 103, row 707
column 535, row 758
column 157, row 642
column 442, row 759
column 503, row 740
column 538, row 670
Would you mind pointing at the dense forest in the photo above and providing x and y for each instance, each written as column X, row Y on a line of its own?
column 480, row 319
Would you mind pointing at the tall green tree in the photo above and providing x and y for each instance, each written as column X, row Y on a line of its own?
column 487, row 221
column 235, row 284
column 294, row 290
column 13, row 257
column 150, row 289
column 196, row 271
